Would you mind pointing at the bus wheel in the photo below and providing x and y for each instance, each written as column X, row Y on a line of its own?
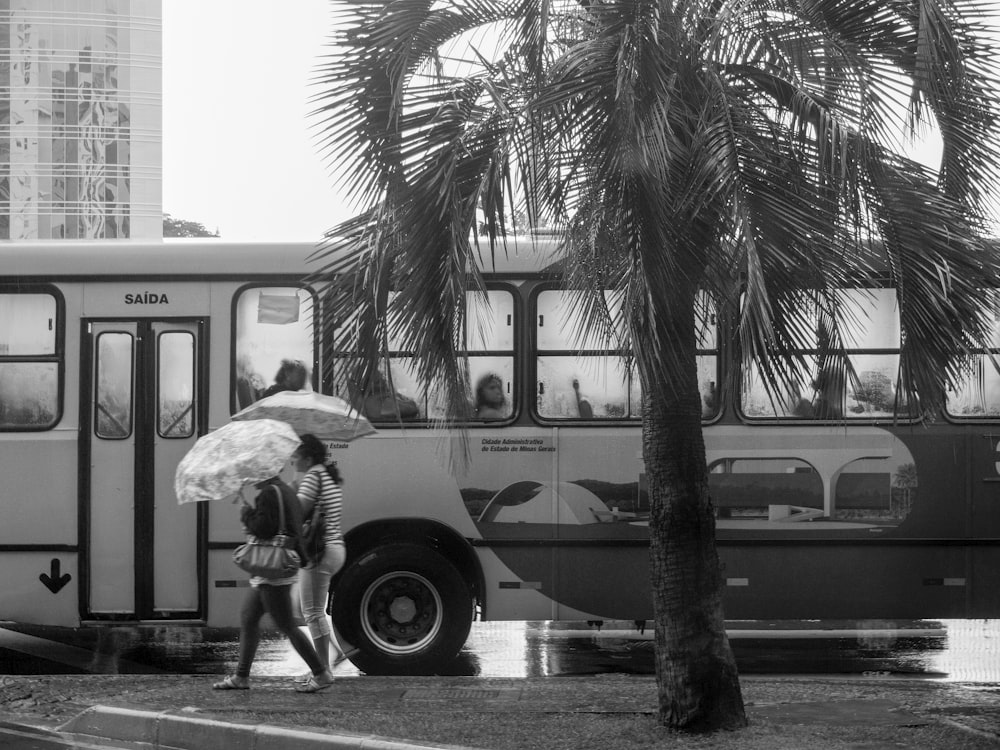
column 406, row 608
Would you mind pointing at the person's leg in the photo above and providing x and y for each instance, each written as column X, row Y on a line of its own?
column 278, row 603
column 334, row 559
column 250, row 614
column 297, row 616
column 314, row 587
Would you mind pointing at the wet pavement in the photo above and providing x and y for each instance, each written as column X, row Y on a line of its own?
column 959, row 650
column 805, row 682
column 183, row 712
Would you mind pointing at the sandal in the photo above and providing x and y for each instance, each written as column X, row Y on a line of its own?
column 232, row 683
column 315, row 683
column 344, row 656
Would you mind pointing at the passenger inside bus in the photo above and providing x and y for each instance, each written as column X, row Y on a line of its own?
column 799, row 405
column 583, row 406
column 382, row 402
column 829, row 394
column 491, row 401
column 246, row 392
column 291, row 376
column 709, row 399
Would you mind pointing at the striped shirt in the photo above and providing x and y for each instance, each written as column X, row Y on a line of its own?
column 317, row 484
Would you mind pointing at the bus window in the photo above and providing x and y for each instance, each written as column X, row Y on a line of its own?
column 871, row 339
column 490, row 351
column 708, row 359
column 577, row 378
column 587, row 379
column 175, row 385
column 491, row 326
column 490, row 336
column 586, row 387
column 114, row 392
column 29, row 361
column 271, row 324
column 492, row 387
column 978, row 395
column 393, row 397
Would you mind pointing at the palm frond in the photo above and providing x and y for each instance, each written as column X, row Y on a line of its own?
column 739, row 147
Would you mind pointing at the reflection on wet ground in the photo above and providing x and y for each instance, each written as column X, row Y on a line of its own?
column 959, row 650
column 956, row 650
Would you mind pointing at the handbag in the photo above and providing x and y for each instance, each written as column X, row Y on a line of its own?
column 271, row 558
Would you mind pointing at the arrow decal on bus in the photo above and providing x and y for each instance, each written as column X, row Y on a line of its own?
column 54, row 582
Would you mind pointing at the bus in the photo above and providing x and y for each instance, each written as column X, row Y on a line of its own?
column 115, row 357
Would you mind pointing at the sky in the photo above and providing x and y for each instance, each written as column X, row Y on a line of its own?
column 239, row 155
column 240, row 151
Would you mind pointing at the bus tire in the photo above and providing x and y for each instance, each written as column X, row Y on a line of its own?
column 405, row 607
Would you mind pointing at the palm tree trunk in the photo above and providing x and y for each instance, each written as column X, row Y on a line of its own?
column 696, row 672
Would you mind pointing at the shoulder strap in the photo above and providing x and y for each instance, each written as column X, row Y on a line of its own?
column 322, row 476
column 281, row 510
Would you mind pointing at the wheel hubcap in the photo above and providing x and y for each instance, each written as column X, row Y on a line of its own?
column 401, row 613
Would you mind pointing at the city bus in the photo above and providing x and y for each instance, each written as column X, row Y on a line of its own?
column 116, row 356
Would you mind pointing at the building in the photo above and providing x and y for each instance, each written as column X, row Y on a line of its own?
column 80, row 119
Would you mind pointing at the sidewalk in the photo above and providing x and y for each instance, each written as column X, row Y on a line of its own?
column 393, row 713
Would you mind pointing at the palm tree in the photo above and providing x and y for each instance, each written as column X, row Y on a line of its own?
column 741, row 151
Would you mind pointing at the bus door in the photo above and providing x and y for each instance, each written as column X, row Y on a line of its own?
column 141, row 412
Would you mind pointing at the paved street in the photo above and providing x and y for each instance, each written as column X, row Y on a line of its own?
column 956, row 650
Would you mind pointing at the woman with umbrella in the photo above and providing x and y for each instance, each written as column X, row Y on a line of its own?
column 220, row 465
column 320, row 484
column 315, row 417
column 273, row 595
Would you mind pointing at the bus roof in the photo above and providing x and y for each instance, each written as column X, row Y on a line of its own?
column 213, row 257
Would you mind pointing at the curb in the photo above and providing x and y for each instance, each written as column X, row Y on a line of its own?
column 185, row 730
column 985, row 734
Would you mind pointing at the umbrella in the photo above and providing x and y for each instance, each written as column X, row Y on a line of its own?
column 326, row 417
column 221, row 462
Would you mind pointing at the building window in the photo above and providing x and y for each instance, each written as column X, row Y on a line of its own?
column 81, row 111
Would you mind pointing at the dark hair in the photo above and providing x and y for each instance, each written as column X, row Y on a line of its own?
column 292, row 374
column 313, row 449
column 482, row 384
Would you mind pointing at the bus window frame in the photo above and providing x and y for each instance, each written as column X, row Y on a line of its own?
column 516, row 347
column 96, row 386
column 158, row 402
column 535, row 353
column 58, row 357
column 296, row 283
column 516, row 395
column 739, row 369
column 961, row 419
